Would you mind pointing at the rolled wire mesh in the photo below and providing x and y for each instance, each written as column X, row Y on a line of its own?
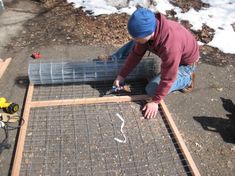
column 57, row 72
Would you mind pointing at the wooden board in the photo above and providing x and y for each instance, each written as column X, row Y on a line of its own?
column 22, row 134
column 179, row 139
column 114, row 99
column 4, row 65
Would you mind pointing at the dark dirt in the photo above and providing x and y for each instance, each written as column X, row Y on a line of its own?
column 59, row 22
column 185, row 6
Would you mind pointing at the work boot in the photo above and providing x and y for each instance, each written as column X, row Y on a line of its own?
column 104, row 57
column 191, row 86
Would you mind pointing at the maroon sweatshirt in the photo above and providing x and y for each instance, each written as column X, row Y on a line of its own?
column 174, row 44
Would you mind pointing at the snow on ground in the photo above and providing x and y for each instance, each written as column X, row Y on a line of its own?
column 220, row 16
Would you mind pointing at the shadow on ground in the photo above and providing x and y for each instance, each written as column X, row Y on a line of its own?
column 4, row 144
column 225, row 127
column 22, row 81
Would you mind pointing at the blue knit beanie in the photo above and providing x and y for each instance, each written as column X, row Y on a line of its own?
column 141, row 23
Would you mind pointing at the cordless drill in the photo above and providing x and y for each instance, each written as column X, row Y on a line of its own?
column 8, row 107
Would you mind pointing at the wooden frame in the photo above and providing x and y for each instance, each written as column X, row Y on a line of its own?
column 22, row 134
column 88, row 101
column 179, row 139
column 4, row 65
column 31, row 104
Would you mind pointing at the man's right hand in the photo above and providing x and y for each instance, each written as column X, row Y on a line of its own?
column 118, row 81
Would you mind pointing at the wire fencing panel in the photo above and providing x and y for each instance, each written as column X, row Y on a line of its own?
column 79, row 140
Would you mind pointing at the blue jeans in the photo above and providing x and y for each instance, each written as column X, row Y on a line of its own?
column 124, row 51
column 183, row 79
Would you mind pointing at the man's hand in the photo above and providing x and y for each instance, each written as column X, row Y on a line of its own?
column 118, row 81
column 151, row 110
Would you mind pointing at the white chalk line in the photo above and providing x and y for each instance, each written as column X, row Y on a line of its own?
column 123, row 123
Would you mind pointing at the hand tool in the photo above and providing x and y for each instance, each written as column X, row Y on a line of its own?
column 8, row 107
column 115, row 89
column 36, row 55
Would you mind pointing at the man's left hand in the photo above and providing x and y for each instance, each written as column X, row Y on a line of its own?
column 151, row 110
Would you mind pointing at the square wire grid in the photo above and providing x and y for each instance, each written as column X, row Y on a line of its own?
column 84, row 90
column 79, row 140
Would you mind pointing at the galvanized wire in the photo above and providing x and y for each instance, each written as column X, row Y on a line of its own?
column 59, row 72
column 86, row 90
column 79, row 140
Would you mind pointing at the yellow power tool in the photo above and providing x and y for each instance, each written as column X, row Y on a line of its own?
column 8, row 107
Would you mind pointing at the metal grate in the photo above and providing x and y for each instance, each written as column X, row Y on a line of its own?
column 59, row 72
column 79, row 140
column 84, row 90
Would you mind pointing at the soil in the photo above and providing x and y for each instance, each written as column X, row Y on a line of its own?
column 59, row 22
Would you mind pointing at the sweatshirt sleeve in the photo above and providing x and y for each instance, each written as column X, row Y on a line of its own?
column 133, row 59
column 169, row 69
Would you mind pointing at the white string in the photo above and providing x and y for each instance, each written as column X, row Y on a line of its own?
column 123, row 123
